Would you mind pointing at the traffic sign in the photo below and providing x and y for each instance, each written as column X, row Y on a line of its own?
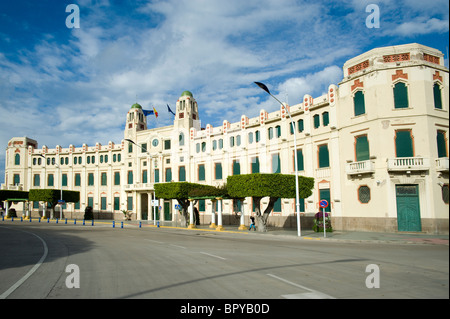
column 323, row 203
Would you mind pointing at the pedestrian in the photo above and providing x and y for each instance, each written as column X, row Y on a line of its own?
column 252, row 225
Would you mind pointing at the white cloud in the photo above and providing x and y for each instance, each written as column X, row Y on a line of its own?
column 420, row 26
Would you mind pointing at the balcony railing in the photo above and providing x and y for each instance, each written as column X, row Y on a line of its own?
column 408, row 164
column 442, row 164
column 12, row 187
column 362, row 167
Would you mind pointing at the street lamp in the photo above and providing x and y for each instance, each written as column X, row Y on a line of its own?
column 297, row 197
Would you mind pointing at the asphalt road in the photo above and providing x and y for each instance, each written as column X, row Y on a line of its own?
column 188, row 264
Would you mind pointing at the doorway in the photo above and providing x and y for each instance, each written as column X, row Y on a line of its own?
column 408, row 208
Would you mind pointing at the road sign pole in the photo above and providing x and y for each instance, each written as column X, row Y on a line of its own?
column 324, row 225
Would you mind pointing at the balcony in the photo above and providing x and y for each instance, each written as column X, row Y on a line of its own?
column 442, row 164
column 18, row 187
column 405, row 164
column 359, row 168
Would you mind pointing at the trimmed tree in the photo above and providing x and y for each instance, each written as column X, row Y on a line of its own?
column 274, row 186
column 52, row 196
column 183, row 191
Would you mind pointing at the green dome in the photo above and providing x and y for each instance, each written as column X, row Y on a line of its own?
column 187, row 93
column 136, row 106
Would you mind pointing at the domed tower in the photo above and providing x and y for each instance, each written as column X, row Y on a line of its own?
column 187, row 112
column 136, row 121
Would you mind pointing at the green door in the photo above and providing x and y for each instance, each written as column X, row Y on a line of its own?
column 408, row 208
column 325, row 194
column 167, row 212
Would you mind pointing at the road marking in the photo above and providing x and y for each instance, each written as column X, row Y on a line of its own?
column 312, row 294
column 32, row 270
column 178, row 246
column 155, row 241
column 212, row 255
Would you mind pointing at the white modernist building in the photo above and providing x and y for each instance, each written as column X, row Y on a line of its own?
column 376, row 144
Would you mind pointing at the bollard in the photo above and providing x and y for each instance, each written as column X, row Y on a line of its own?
column 57, row 220
column 48, row 220
column 157, row 224
column 83, row 222
column 140, row 224
column 39, row 218
column 75, row 221
column 12, row 218
column 92, row 224
column 66, row 221
column 30, row 219
column 114, row 224
column 121, row 224
column 3, row 218
column 21, row 218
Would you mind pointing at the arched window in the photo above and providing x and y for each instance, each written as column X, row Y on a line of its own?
column 359, row 104
column 437, row 96
column 17, row 159
column 401, row 96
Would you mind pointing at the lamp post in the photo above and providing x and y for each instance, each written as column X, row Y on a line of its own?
column 297, row 197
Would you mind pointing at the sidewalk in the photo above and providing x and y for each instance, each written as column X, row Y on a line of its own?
column 336, row 236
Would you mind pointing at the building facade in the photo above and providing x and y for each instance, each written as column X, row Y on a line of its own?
column 376, row 144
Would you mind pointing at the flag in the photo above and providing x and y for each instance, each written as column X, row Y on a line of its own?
column 170, row 111
column 150, row 112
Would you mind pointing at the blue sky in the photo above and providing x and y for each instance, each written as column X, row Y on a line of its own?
column 64, row 86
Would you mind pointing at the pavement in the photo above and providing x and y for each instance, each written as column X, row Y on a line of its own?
column 306, row 234
column 336, row 236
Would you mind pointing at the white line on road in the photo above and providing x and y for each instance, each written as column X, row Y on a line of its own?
column 212, row 255
column 178, row 246
column 312, row 294
column 32, row 270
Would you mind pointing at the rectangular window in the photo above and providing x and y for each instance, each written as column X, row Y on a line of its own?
column 143, row 147
column 236, row 167
column 201, row 172
column 17, row 179
column 400, row 96
column 130, row 177
column 201, row 205
column 182, row 174
column 324, row 158
column 167, row 144
column 277, row 206
column 359, row 104
column 130, row 148
column 156, row 175
column 103, row 203
column 278, row 130
column 64, row 179
column 50, row 180
column 404, row 144
column 104, row 179
column 129, row 203
column 144, row 176
column 116, row 203
column 77, row 179
column 168, row 175
column 91, row 179
column 77, row 205
column 218, row 170
column 116, row 178
column 255, row 165
column 362, row 148
column 276, row 163
column 316, row 120
column 300, row 161
column 37, row 180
